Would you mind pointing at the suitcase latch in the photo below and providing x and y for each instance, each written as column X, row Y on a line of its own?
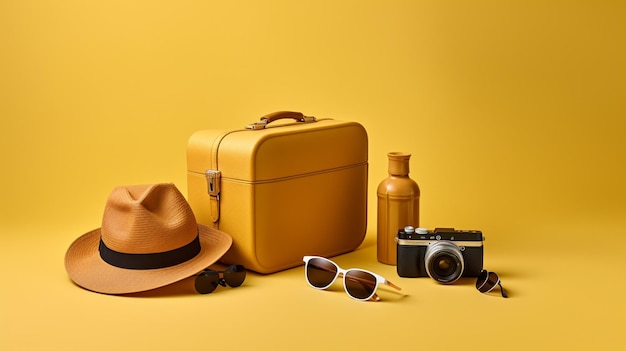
column 214, row 179
column 257, row 125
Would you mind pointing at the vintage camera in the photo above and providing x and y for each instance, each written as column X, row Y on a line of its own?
column 443, row 254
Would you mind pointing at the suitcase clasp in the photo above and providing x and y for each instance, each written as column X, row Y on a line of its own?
column 214, row 179
column 257, row 125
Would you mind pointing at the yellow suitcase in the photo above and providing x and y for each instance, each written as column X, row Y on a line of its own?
column 281, row 190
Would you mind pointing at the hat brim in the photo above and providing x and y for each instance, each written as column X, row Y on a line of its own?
column 87, row 269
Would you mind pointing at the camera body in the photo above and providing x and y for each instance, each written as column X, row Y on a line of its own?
column 444, row 254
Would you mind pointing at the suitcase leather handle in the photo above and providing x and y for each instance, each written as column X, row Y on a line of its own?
column 267, row 119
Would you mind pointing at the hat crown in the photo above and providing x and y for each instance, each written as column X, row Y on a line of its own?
column 144, row 219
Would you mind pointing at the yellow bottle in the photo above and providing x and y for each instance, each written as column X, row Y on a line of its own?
column 398, row 205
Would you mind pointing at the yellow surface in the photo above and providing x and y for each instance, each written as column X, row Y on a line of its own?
column 513, row 111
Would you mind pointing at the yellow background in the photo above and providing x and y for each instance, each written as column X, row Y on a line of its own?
column 513, row 112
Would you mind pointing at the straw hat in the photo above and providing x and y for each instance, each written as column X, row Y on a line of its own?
column 149, row 238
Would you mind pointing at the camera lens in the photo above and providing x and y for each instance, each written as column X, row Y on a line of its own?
column 444, row 262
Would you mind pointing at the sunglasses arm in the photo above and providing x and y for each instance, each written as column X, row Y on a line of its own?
column 387, row 282
column 375, row 297
column 502, row 290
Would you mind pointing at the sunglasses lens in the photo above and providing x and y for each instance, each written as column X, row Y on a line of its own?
column 481, row 280
column 486, row 281
column 235, row 275
column 207, row 281
column 320, row 273
column 493, row 280
column 359, row 284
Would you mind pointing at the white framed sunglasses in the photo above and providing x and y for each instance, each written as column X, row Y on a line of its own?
column 359, row 284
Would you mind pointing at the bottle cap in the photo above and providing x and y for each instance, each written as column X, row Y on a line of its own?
column 399, row 163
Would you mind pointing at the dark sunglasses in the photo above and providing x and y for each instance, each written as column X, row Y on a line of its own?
column 487, row 281
column 359, row 284
column 208, row 280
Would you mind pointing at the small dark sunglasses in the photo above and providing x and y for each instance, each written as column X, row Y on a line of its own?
column 487, row 281
column 208, row 280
